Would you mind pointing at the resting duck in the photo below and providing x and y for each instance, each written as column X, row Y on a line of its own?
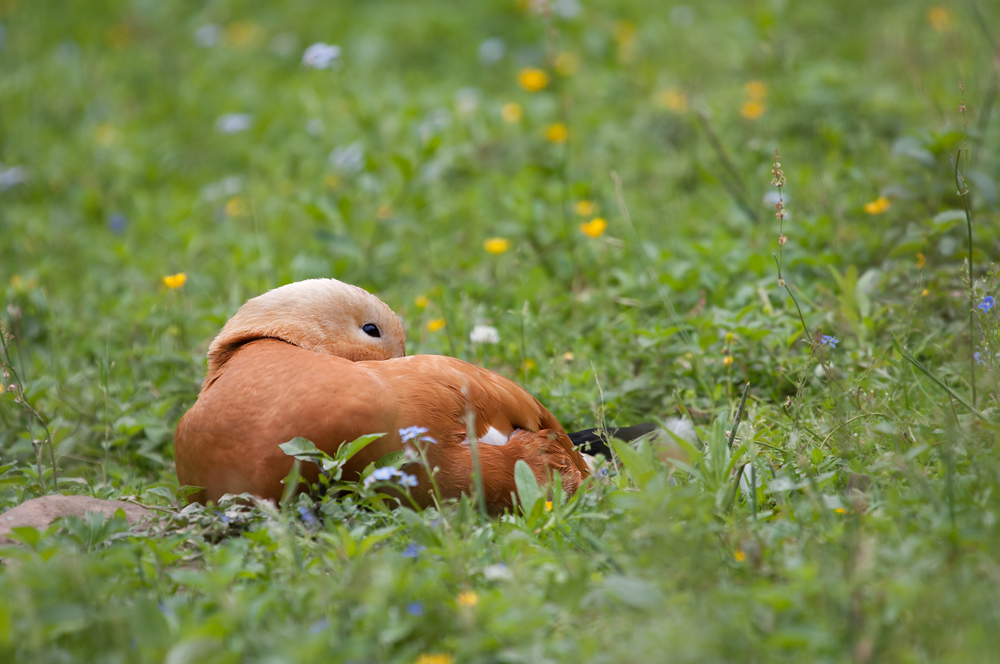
column 327, row 361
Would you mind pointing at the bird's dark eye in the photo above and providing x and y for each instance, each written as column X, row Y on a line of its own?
column 371, row 330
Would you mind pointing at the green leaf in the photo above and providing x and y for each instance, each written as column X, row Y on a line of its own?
column 348, row 450
column 637, row 463
column 305, row 450
column 528, row 492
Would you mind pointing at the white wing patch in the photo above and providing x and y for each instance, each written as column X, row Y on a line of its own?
column 491, row 437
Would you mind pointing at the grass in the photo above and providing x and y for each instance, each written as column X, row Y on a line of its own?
column 851, row 516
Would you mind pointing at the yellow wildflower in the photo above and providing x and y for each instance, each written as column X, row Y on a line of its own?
column 243, row 34
column 740, row 555
column 567, row 63
column 673, row 99
column 437, row 658
column 594, row 228
column 625, row 32
column 435, row 325
column 496, row 245
column 585, row 208
column 727, row 360
column 421, row 301
column 511, row 113
column 752, row 109
column 556, row 133
column 925, row 293
column 568, row 356
column 755, row 90
column 236, row 207
column 533, row 80
column 119, row 36
column 840, row 510
column 468, row 598
column 106, row 134
column 529, row 364
column 877, row 206
column 548, row 505
column 175, row 280
column 939, row 18
column 921, row 261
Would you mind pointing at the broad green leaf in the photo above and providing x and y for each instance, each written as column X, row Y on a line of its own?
column 528, row 492
column 348, row 450
column 639, row 465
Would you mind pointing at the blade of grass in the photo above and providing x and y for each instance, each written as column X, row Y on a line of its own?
column 927, row 372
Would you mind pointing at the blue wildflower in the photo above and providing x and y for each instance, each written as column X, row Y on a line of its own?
column 413, row 550
column 319, row 626
column 116, row 222
column 986, row 304
column 415, row 608
column 383, row 474
column 413, row 433
column 830, row 341
column 408, row 480
column 978, row 357
column 308, row 517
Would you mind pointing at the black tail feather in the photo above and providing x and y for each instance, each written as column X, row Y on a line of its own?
column 595, row 441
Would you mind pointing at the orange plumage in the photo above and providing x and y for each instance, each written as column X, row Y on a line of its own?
column 303, row 360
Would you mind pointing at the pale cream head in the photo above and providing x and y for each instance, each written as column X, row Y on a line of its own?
column 321, row 315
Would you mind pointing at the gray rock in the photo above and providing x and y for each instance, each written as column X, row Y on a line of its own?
column 39, row 513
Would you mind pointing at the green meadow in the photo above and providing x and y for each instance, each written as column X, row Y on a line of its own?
column 662, row 208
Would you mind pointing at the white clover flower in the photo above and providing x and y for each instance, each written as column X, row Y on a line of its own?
column 497, row 572
column 492, row 51
column 321, row 56
column 484, row 334
column 207, row 35
column 229, row 186
column 682, row 16
column 314, row 127
column 11, row 177
column 568, row 9
column 348, row 158
column 467, row 101
column 283, row 44
column 435, row 122
column 233, row 123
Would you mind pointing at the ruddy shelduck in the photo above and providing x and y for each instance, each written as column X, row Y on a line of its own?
column 327, row 361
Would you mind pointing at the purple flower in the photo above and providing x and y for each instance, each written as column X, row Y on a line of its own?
column 830, row 341
column 413, row 550
column 415, row 608
column 986, row 304
column 978, row 357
